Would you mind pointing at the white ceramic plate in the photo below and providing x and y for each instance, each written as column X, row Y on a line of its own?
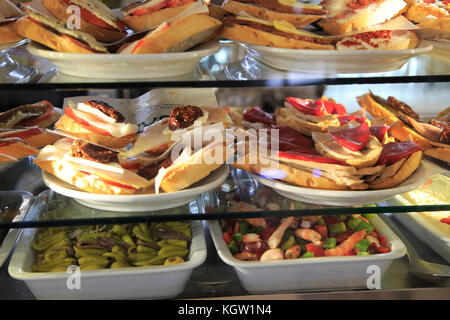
column 333, row 61
column 441, row 50
column 139, row 202
column 350, row 197
column 126, row 66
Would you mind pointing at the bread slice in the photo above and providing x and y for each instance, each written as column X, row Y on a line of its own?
column 59, row 9
column 442, row 154
column 247, row 34
column 12, row 149
column 298, row 20
column 68, row 125
column 343, row 19
column 275, row 170
column 151, row 20
column 406, row 170
column 178, row 36
column 9, row 35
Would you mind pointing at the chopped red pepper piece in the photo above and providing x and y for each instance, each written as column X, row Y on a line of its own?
column 316, row 249
column 331, row 220
column 379, row 132
column 394, row 151
column 266, row 233
column 354, row 139
column 383, row 241
column 300, row 155
column 256, row 114
column 289, row 135
column 344, row 119
column 383, row 250
column 307, row 106
column 341, row 237
column 227, row 237
column 445, row 220
column 331, row 107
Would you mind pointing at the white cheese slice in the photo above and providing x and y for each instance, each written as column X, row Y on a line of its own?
column 96, row 112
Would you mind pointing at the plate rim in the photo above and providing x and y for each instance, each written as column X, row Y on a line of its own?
column 37, row 49
column 221, row 172
column 339, row 53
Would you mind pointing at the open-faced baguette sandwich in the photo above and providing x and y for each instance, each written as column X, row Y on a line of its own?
column 433, row 136
column 34, row 136
column 308, row 116
column 13, row 149
column 336, row 164
column 42, row 114
column 433, row 18
column 90, row 168
column 347, row 16
column 379, row 40
column 297, row 13
column 176, row 36
column 97, row 122
column 9, row 14
column 96, row 18
column 53, row 33
column 148, row 14
column 277, row 33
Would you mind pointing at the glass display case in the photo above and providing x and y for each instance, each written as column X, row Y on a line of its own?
column 416, row 266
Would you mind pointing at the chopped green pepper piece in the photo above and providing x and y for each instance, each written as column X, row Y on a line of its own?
column 353, row 223
column 337, row 228
column 364, row 226
column 369, row 216
column 320, row 221
column 237, row 237
column 233, row 246
column 244, row 226
column 362, row 245
column 288, row 243
column 363, row 253
column 308, row 255
column 341, row 216
column 329, row 243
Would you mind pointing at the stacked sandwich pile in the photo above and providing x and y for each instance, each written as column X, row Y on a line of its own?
column 322, row 146
column 22, row 130
column 349, row 24
column 102, row 151
column 89, row 26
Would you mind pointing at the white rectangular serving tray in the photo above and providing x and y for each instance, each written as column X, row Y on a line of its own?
column 156, row 282
column 349, row 272
column 423, row 229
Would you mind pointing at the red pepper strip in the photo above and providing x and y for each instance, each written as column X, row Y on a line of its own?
column 383, row 250
column 331, row 107
column 227, row 237
column 383, row 241
column 307, row 106
column 256, row 114
column 266, row 233
column 394, row 151
column 354, row 139
column 79, row 43
column 287, row 134
column 445, row 220
column 70, row 114
column 32, row 131
column 300, row 155
column 379, row 132
column 344, row 119
column 317, row 250
column 156, row 7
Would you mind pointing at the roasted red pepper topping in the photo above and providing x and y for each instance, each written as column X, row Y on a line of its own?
column 300, row 155
column 331, row 107
column 379, row 132
column 256, row 114
column 359, row 4
column 395, row 151
column 367, row 37
column 344, row 119
column 354, row 139
column 29, row 132
column 289, row 135
column 307, row 106
column 445, row 220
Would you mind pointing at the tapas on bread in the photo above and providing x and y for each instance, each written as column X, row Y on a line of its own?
column 432, row 135
column 9, row 14
column 433, row 18
column 348, row 152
